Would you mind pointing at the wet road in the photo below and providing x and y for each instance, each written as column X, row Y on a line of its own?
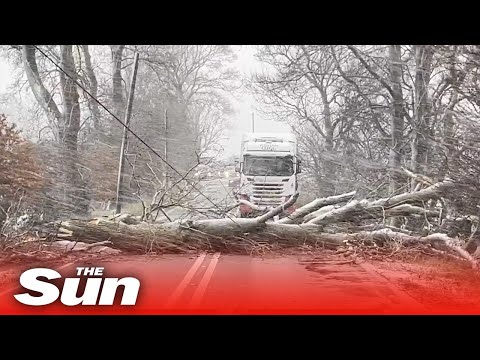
column 226, row 284
column 219, row 195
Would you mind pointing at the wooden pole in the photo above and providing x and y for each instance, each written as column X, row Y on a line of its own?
column 125, row 138
column 166, row 149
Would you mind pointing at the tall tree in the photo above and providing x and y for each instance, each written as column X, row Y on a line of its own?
column 67, row 122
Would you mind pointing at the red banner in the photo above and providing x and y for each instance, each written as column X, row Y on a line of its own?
column 210, row 284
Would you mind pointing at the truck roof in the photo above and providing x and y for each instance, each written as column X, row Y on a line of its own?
column 265, row 135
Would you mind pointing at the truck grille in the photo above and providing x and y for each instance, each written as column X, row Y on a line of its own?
column 267, row 194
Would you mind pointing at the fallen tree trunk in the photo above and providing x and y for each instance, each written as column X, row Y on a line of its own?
column 303, row 227
column 235, row 236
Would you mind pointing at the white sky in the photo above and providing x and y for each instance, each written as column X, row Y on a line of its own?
column 246, row 64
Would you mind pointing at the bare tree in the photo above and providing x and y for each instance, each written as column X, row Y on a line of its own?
column 422, row 123
column 67, row 121
column 93, row 87
column 198, row 78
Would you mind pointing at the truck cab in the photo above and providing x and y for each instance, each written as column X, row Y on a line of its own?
column 268, row 168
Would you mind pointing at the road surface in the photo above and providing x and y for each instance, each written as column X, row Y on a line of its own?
column 219, row 196
column 227, row 284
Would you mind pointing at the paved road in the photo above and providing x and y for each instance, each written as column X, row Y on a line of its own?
column 216, row 190
column 216, row 283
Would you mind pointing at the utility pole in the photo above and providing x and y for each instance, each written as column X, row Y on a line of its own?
column 165, row 155
column 128, row 115
column 253, row 122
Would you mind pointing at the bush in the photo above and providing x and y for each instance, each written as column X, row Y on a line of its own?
column 21, row 176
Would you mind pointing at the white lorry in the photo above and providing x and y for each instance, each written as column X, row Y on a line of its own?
column 268, row 168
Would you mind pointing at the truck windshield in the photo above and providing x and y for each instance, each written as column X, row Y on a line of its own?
column 268, row 166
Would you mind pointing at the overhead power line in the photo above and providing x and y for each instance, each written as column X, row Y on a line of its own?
column 126, row 127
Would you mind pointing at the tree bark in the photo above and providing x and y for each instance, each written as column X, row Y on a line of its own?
column 69, row 128
column 397, row 119
column 421, row 132
column 298, row 215
column 243, row 236
column 67, row 123
column 118, row 98
column 42, row 95
column 449, row 121
column 93, row 89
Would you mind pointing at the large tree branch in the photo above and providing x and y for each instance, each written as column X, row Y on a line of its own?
column 42, row 95
column 370, row 70
column 298, row 214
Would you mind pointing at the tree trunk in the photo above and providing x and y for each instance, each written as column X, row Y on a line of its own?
column 118, row 98
column 241, row 236
column 76, row 193
column 229, row 235
column 93, row 89
column 421, row 131
column 449, row 123
column 42, row 95
column 397, row 122
column 329, row 164
column 67, row 124
column 397, row 119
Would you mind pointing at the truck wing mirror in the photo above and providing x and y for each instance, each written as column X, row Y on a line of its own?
column 299, row 168
column 237, row 166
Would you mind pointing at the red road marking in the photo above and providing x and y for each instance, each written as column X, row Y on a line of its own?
column 185, row 281
column 198, row 295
